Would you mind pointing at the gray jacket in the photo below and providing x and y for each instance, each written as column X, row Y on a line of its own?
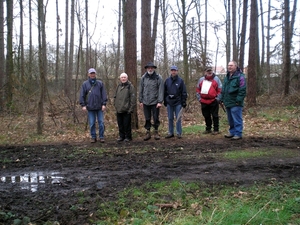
column 151, row 89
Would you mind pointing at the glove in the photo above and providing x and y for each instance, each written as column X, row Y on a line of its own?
column 183, row 104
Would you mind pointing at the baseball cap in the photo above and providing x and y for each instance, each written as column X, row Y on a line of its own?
column 92, row 70
column 208, row 69
column 173, row 68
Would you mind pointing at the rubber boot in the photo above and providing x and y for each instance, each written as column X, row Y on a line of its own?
column 156, row 135
column 147, row 136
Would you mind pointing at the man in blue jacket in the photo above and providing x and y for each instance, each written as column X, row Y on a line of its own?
column 93, row 99
column 232, row 96
column 175, row 96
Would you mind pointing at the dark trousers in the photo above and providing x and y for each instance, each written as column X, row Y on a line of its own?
column 124, row 124
column 211, row 115
column 151, row 110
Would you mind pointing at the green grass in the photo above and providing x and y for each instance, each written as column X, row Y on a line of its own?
column 193, row 129
column 195, row 203
column 258, row 153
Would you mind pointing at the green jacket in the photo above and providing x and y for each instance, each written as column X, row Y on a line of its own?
column 125, row 98
column 234, row 89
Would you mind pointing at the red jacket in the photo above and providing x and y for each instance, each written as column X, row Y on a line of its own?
column 208, row 89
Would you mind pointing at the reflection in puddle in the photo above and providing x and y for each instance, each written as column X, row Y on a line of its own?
column 30, row 181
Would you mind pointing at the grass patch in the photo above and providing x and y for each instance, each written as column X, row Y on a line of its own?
column 193, row 129
column 258, row 153
column 180, row 203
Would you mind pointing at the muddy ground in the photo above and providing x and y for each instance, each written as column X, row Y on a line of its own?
column 43, row 181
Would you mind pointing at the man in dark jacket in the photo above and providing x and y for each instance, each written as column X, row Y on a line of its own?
column 151, row 97
column 124, row 102
column 93, row 99
column 175, row 96
column 233, row 94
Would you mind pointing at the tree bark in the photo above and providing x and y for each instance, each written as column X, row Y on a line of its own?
column 252, row 73
column 243, row 34
column 42, row 65
column 287, row 48
column 66, row 72
column 146, row 42
column 2, row 59
column 130, row 48
column 57, row 63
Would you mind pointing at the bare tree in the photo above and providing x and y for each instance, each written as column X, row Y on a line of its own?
column 118, row 55
column 228, row 29
column 30, row 39
column 71, row 52
column 66, row 72
column 2, row 59
column 154, row 30
column 252, row 61
column 57, row 63
column 287, row 48
column 21, row 46
column 42, row 64
column 130, row 53
column 234, row 31
column 164, row 15
column 146, row 43
column 243, row 34
column 9, row 52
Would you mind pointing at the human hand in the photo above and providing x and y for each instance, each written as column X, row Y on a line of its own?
column 103, row 107
column 84, row 108
column 158, row 105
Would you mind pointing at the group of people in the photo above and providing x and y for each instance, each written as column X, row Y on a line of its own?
column 154, row 92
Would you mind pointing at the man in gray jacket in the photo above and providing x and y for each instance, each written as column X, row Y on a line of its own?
column 151, row 96
column 124, row 102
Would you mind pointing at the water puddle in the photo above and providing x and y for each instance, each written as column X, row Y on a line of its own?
column 31, row 181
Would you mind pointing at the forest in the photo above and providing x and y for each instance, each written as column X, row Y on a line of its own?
column 262, row 36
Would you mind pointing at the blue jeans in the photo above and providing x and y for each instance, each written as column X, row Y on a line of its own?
column 235, row 119
column 171, row 111
column 93, row 114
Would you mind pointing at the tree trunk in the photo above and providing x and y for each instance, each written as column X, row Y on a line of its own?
column 2, row 59
column 30, row 40
column 243, row 34
column 146, row 42
column 118, row 56
column 71, row 52
column 234, row 32
column 57, row 63
column 251, row 95
column 164, row 10
column 287, row 48
column 228, row 30
column 87, row 56
column 42, row 65
column 66, row 72
column 130, row 48
column 9, row 52
column 21, row 55
column 268, row 66
column 154, row 30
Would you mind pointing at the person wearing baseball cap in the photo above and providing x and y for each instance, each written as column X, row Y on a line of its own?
column 208, row 92
column 93, row 99
column 175, row 96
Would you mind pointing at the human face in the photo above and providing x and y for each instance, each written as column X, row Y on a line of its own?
column 174, row 72
column 123, row 78
column 92, row 75
column 231, row 67
column 209, row 73
column 150, row 70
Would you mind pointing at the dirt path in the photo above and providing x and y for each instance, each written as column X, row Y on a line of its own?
column 43, row 181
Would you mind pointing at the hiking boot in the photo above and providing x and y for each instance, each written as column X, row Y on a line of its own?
column 215, row 132
column 127, row 139
column 179, row 136
column 235, row 137
column 228, row 135
column 102, row 140
column 120, row 139
column 207, row 132
column 169, row 136
column 93, row 140
column 147, row 136
column 156, row 135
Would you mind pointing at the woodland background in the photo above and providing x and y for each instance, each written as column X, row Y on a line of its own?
column 41, row 78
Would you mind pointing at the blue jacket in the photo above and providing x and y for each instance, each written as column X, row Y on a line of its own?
column 175, row 91
column 93, row 96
